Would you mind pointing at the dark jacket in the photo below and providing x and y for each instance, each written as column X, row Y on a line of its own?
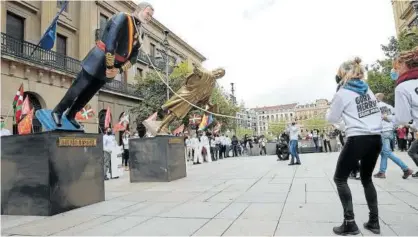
column 115, row 44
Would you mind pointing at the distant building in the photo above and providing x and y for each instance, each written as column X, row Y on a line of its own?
column 247, row 118
column 269, row 114
column 405, row 14
column 313, row 110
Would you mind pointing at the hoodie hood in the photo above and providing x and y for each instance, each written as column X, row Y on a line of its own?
column 357, row 85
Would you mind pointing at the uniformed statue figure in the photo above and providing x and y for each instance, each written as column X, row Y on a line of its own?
column 197, row 90
column 115, row 53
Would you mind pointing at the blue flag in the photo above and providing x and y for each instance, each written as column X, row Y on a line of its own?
column 48, row 39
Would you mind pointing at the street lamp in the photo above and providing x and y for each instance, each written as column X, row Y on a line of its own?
column 165, row 56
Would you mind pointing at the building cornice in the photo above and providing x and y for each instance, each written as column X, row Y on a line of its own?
column 27, row 5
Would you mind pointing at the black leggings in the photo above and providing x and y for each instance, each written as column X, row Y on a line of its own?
column 125, row 157
column 367, row 150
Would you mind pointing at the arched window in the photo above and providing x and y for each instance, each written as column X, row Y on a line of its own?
column 36, row 105
column 102, row 117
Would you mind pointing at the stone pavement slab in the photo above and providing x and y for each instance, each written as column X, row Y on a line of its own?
column 234, row 197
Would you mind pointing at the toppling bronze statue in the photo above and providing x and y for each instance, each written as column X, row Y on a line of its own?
column 197, row 90
column 115, row 53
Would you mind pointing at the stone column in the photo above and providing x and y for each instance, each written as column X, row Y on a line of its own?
column 49, row 10
column 3, row 15
column 88, row 24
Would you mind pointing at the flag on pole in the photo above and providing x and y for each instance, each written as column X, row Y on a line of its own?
column 25, row 126
column 18, row 94
column 107, row 118
column 122, row 124
column 206, row 121
column 217, row 128
column 48, row 39
column 180, row 129
column 195, row 119
column 85, row 114
column 17, row 104
column 25, row 106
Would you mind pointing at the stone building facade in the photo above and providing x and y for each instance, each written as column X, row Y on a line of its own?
column 405, row 14
column 46, row 75
column 270, row 114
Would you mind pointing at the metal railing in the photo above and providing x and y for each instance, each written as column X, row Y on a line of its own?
column 120, row 87
column 414, row 23
column 23, row 50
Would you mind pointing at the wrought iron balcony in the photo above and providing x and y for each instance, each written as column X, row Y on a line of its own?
column 414, row 23
column 23, row 50
column 123, row 88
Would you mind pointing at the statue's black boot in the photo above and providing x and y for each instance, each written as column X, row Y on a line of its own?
column 71, row 119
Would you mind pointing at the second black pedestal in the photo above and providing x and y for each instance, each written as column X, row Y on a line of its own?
column 157, row 159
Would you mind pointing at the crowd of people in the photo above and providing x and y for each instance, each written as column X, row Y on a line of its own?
column 208, row 147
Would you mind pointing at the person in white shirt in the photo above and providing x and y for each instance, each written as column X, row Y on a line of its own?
column 315, row 139
column 212, row 144
column 356, row 105
column 262, row 144
column 294, row 131
column 125, row 140
column 189, row 149
column 4, row 131
column 109, row 142
column 222, row 151
column 204, row 140
column 387, row 137
column 197, row 148
column 228, row 143
column 405, row 72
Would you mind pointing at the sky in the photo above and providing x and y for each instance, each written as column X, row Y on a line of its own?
column 280, row 51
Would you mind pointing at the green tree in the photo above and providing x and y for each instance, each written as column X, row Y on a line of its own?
column 276, row 128
column 153, row 90
column 378, row 77
column 315, row 123
column 240, row 132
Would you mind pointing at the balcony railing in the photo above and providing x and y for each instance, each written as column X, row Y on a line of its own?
column 414, row 23
column 23, row 50
column 120, row 87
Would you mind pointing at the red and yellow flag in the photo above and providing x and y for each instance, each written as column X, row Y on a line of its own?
column 17, row 103
column 25, row 126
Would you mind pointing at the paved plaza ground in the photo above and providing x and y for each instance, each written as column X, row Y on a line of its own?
column 234, row 197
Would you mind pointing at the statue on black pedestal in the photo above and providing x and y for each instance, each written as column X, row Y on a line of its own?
column 114, row 53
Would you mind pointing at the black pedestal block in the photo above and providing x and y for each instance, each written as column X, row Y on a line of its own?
column 44, row 174
column 157, row 159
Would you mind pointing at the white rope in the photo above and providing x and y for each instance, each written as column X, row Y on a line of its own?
column 193, row 105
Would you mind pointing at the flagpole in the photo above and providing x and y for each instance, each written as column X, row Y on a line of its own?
column 50, row 26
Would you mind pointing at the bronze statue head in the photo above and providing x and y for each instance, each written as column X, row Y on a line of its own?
column 218, row 73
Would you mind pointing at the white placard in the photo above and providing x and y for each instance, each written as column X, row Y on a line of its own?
column 116, row 167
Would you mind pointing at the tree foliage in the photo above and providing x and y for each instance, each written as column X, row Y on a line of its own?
column 276, row 128
column 240, row 132
column 315, row 123
column 378, row 77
